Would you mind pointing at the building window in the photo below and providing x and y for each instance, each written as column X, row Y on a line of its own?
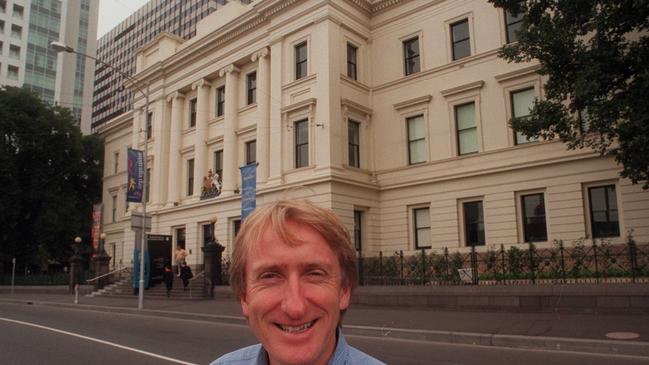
column 473, row 224
column 149, row 125
column 218, row 163
column 416, row 140
column 180, row 237
column 522, row 102
column 16, row 31
column 12, row 72
column 352, row 52
column 353, row 143
column 18, row 11
column 513, row 24
column 300, row 60
column 460, row 40
column 3, row 6
column 220, row 101
column 190, row 177
column 115, row 162
column 358, row 233
column 113, row 208
column 411, row 55
column 604, row 221
column 301, row 143
column 2, row 26
column 421, row 223
column 467, row 130
column 236, row 226
column 251, row 152
column 14, row 52
column 533, row 209
column 251, row 87
column 147, row 186
column 208, row 230
column 192, row 113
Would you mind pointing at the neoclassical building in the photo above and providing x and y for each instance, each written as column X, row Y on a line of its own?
column 393, row 113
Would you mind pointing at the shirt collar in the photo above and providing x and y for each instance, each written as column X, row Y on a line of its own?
column 339, row 356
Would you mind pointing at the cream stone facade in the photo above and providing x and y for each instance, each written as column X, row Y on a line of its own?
column 395, row 142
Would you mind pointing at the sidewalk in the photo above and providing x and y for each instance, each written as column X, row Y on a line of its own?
column 555, row 331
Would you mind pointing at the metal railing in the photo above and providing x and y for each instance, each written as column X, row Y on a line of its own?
column 199, row 275
column 106, row 275
column 599, row 262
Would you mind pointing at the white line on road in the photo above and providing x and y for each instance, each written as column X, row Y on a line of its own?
column 97, row 340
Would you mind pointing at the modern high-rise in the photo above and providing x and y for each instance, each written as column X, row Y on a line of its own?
column 27, row 27
column 118, row 48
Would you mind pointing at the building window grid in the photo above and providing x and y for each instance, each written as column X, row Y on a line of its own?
column 604, row 219
column 218, row 163
column 192, row 113
column 513, row 24
column 352, row 53
column 301, row 143
column 416, row 140
column 533, row 216
column 474, row 232
column 300, row 60
column 113, row 209
column 460, row 39
column 411, row 56
column 251, row 87
column 149, row 125
column 467, row 129
column 190, row 177
column 521, row 104
column 353, row 138
column 251, row 152
column 421, row 224
column 220, row 101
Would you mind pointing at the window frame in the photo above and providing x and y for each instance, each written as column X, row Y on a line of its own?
column 353, row 147
column 512, row 25
column 193, row 102
column 416, row 227
column 251, row 151
column 358, row 229
column 522, row 216
column 299, row 145
column 464, row 231
column 406, row 70
column 513, row 113
column 301, row 65
column 589, row 209
column 455, row 42
column 352, row 64
column 113, row 208
column 410, row 142
column 458, row 131
column 251, row 88
column 218, row 162
column 220, row 101
column 189, row 170
column 149, row 125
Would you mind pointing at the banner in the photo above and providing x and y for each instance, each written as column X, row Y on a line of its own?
column 248, row 190
column 96, row 226
column 135, row 184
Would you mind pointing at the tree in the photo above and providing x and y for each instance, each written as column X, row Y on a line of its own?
column 49, row 177
column 595, row 54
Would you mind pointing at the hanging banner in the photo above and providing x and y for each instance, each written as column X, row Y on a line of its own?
column 135, row 184
column 96, row 226
column 248, row 189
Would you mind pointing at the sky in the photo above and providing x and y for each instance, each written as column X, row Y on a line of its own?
column 112, row 12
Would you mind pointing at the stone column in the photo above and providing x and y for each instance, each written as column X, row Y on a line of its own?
column 158, row 172
column 177, row 103
column 263, row 114
column 201, row 135
column 231, row 123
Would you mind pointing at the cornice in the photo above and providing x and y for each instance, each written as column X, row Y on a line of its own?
column 346, row 103
column 476, row 85
column 518, row 73
column 412, row 102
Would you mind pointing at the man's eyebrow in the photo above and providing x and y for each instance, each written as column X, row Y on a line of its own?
column 277, row 267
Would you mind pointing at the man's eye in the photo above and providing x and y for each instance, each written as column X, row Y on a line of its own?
column 317, row 273
column 268, row 275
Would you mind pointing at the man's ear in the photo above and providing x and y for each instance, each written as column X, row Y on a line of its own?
column 244, row 305
column 345, row 296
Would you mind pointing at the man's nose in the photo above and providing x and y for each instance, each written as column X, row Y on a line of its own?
column 294, row 302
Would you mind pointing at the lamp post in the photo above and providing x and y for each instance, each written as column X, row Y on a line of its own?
column 76, row 262
column 61, row 47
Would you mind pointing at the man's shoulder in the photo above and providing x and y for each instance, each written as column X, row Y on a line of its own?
column 358, row 357
column 246, row 355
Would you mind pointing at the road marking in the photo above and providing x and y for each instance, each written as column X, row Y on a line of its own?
column 97, row 340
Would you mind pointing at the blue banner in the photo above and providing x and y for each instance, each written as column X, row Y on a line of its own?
column 248, row 189
column 135, row 184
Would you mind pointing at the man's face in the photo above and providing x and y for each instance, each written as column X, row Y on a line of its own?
column 294, row 296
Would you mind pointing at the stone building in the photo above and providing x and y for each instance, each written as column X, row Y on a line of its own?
column 392, row 113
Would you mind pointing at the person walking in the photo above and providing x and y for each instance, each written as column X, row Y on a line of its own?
column 168, row 278
column 185, row 275
column 181, row 257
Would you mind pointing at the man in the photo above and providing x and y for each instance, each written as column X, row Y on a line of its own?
column 181, row 257
column 293, row 270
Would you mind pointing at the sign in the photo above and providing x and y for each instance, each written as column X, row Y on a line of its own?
column 135, row 183
column 248, row 189
column 96, row 226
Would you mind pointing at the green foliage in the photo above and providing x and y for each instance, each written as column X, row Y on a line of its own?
column 594, row 53
column 50, row 175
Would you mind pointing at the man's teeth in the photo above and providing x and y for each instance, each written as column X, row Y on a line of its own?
column 296, row 329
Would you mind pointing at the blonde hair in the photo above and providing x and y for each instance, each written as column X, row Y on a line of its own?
column 274, row 216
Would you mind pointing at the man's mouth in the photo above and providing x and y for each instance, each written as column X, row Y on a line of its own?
column 295, row 329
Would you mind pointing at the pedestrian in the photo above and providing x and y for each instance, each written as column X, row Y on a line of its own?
column 293, row 271
column 185, row 274
column 181, row 257
column 168, row 278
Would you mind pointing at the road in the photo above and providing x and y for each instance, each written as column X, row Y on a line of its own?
column 41, row 334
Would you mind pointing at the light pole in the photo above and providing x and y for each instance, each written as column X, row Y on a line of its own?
column 61, row 47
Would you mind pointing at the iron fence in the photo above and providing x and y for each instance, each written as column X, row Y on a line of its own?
column 39, row 279
column 577, row 263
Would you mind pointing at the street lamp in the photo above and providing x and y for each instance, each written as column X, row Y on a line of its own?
column 61, row 47
column 102, row 241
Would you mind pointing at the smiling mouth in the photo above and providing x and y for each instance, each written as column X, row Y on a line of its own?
column 295, row 329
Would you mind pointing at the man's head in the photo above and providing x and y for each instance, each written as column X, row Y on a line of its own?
column 293, row 269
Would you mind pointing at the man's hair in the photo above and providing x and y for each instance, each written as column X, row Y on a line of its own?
column 275, row 216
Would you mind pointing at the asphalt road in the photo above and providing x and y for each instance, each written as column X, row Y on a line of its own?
column 50, row 335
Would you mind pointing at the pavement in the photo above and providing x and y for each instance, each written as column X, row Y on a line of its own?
column 620, row 334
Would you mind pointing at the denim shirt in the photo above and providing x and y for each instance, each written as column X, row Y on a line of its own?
column 256, row 355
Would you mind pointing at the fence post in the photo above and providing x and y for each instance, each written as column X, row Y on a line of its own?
column 563, row 263
column 423, row 266
column 401, row 265
column 474, row 266
column 595, row 257
column 502, row 256
column 448, row 277
column 633, row 258
column 381, row 267
column 532, row 264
